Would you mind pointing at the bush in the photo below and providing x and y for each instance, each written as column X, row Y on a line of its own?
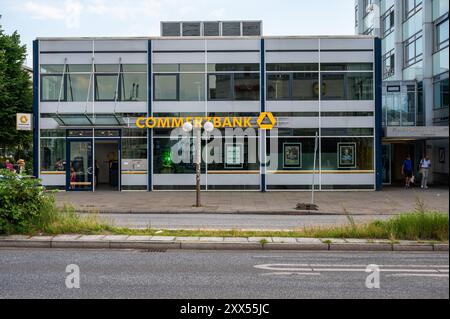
column 23, row 203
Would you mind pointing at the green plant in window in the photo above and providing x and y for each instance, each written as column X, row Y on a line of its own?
column 167, row 160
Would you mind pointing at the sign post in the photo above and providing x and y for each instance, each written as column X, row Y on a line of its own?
column 23, row 122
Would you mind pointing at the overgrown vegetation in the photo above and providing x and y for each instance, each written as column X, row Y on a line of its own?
column 41, row 217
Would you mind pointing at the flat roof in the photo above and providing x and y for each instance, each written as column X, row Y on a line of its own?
column 210, row 38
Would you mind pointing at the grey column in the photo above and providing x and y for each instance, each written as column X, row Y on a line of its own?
column 398, row 16
column 428, row 61
column 361, row 11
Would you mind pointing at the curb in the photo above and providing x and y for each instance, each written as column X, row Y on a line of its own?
column 205, row 243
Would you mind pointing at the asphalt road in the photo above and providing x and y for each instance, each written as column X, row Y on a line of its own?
column 229, row 221
column 26, row 273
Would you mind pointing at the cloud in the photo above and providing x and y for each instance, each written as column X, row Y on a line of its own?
column 69, row 12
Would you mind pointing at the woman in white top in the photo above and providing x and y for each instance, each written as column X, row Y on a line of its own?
column 424, row 166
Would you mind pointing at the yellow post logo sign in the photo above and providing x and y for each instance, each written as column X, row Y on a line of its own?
column 265, row 121
column 23, row 122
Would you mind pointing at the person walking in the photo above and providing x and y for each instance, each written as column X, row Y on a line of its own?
column 424, row 167
column 407, row 171
column 9, row 165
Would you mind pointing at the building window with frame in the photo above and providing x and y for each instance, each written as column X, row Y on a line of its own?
column 441, row 33
column 410, row 8
column 413, row 49
column 52, row 87
column 166, row 87
column 441, row 92
column 388, row 22
column 388, row 64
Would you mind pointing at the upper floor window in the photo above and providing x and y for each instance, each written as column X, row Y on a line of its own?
column 388, row 22
column 106, row 82
column 441, row 33
column 411, row 7
column 413, row 49
column 441, row 91
column 388, row 64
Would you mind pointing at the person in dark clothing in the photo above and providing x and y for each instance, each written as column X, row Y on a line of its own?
column 407, row 171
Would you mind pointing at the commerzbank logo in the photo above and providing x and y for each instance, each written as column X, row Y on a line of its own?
column 265, row 121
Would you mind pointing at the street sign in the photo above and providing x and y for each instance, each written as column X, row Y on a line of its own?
column 23, row 122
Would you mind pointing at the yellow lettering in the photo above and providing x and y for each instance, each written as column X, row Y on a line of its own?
column 148, row 120
column 247, row 122
column 237, row 121
column 217, row 122
column 227, row 122
column 177, row 122
column 138, row 122
column 163, row 122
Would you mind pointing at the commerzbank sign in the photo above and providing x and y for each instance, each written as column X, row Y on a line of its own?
column 265, row 121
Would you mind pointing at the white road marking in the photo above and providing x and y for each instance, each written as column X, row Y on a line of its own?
column 291, row 273
column 417, row 275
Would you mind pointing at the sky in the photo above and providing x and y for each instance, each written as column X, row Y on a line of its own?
column 78, row 18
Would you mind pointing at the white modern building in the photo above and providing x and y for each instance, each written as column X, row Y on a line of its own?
column 90, row 91
column 415, row 55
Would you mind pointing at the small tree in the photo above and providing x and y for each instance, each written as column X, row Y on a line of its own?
column 15, row 95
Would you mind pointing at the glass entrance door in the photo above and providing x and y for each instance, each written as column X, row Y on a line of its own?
column 80, row 171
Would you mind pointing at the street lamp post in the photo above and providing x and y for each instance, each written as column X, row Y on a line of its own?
column 187, row 127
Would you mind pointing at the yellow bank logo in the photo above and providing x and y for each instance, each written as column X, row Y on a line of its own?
column 24, row 119
column 265, row 121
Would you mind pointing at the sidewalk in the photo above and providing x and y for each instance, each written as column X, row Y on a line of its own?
column 162, row 243
column 389, row 201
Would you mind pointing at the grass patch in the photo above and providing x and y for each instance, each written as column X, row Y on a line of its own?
column 418, row 225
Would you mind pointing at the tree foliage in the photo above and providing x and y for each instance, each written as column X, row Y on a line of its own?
column 15, row 93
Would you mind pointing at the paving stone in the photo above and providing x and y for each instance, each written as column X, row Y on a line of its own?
column 236, row 239
column 211, row 239
column 413, row 247
column 309, row 240
column 91, row 237
column 333, row 240
column 356, row 241
column 138, row 238
column 15, row 237
column 221, row 246
column 41, row 238
column 258, row 239
column 163, row 238
column 187, row 238
column 440, row 247
column 66, row 237
column 115, row 237
column 360, row 247
column 284, row 240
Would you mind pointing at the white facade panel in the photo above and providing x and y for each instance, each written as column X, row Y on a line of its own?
column 121, row 45
column 348, row 106
column 98, row 107
column 69, row 58
column 66, row 45
column 234, row 44
column 298, row 122
column 178, row 45
column 348, row 121
column 346, row 44
column 233, row 179
column 292, row 179
column 233, row 57
column 191, row 57
column 234, row 106
column 292, row 57
column 124, row 58
column 134, row 179
column 175, row 107
column 348, row 179
column 48, row 123
column 292, row 106
column 346, row 57
column 291, row 44
column 176, row 179
column 53, row 179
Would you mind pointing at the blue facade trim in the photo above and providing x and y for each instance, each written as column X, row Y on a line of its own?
column 149, row 111
column 378, row 113
column 262, row 76
column 36, row 108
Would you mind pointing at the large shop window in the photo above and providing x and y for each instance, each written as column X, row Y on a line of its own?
column 53, row 154
column 109, row 82
column 347, row 86
column 293, row 86
column 234, row 86
column 134, row 148
column 346, row 153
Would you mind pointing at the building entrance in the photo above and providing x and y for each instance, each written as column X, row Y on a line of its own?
column 106, row 168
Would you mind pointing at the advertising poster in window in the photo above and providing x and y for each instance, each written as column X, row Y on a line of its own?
column 233, row 155
column 292, row 155
column 347, row 155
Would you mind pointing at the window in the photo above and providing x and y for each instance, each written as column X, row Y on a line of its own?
column 219, row 86
column 413, row 49
column 356, row 16
column 278, row 86
column 441, row 92
column 388, row 64
column 233, row 67
column 388, row 22
column 333, row 86
column 192, row 87
column 133, row 87
column 134, row 148
column 51, row 88
column 234, row 86
column 360, row 86
column 78, row 87
column 292, row 67
column 305, row 86
column 53, row 154
column 165, row 87
column 246, row 86
column 106, row 87
column 441, row 33
column 411, row 7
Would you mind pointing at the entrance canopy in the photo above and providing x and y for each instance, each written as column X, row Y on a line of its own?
column 71, row 120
